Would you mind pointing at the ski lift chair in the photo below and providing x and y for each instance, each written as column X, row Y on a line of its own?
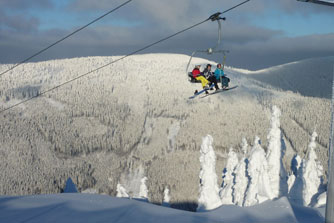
column 210, row 51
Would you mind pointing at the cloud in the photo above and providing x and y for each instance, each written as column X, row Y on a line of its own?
column 25, row 4
column 15, row 15
column 18, row 23
column 250, row 46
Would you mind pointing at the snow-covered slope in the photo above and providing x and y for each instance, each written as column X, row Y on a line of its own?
column 99, row 208
column 311, row 77
column 132, row 120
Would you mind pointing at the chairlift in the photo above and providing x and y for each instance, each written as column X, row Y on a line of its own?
column 210, row 51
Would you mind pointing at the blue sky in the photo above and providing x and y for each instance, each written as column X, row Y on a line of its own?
column 265, row 29
column 292, row 24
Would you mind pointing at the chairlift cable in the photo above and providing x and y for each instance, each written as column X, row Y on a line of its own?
column 99, row 68
column 112, row 62
column 235, row 6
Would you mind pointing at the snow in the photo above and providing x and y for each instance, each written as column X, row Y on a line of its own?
column 90, row 191
column 226, row 191
column 166, row 200
column 321, row 200
column 309, row 77
column 276, row 171
column 312, row 173
column 101, row 208
column 241, row 178
column 259, row 189
column 296, row 181
column 305, row 185
column 208, row 198
column 143, row 191
column 330, row 1
column 112, row 143
column 121, row 191
column 172, row 133
column 130, row 114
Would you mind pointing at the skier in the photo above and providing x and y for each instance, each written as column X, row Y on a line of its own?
column 199, row 76
column 220, row 75
column 210, row 76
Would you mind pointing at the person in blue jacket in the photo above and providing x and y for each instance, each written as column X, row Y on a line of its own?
column 220, row 75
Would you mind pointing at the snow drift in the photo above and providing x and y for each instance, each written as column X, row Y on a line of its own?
column 100, row 208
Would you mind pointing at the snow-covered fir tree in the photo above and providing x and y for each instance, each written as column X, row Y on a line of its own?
column 259, row 189
column 208, row 188
column 226, row 192
column 143, row 191
column 241, row 178
column 295, row 168
column 312, row 173
column 166, row 198
column 295, row 181
column 276, row 171
column 121, row 191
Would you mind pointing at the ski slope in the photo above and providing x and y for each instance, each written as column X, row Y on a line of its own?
column 309, row 77
column 101, row 208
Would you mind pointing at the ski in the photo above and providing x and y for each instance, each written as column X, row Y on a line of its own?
column 220, row 91
column 200, row 92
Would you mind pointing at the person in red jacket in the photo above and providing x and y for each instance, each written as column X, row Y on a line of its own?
column 198, row 76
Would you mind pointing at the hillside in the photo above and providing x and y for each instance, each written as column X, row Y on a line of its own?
column 311, row 77
column 134, row 119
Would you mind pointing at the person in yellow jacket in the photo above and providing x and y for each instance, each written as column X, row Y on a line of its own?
column 199, row 76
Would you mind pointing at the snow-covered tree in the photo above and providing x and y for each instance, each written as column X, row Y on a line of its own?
column 312, row 173
column 226, row 192
column 291, row 180
column 135, row 182
column 121, row 191
column 244, row 146
column 295, row 166
column 143, row 191
column 276, row 171
column 241, row 178
column 259, row 189
column 295, row 181
column 166, row 198
column 208, row 188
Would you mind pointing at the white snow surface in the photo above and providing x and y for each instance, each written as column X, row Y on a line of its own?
column 209, row 190
column 308, row 77
column 165, row 139
column 143, row 189
column 241, row 178
column 121, row 191
column 227, row 188
column 276, row 172
column 259, row 189
column 311, row 173
column 82, row 208
column 166, row 198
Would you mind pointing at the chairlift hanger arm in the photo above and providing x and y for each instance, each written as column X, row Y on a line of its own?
column 216, row 16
